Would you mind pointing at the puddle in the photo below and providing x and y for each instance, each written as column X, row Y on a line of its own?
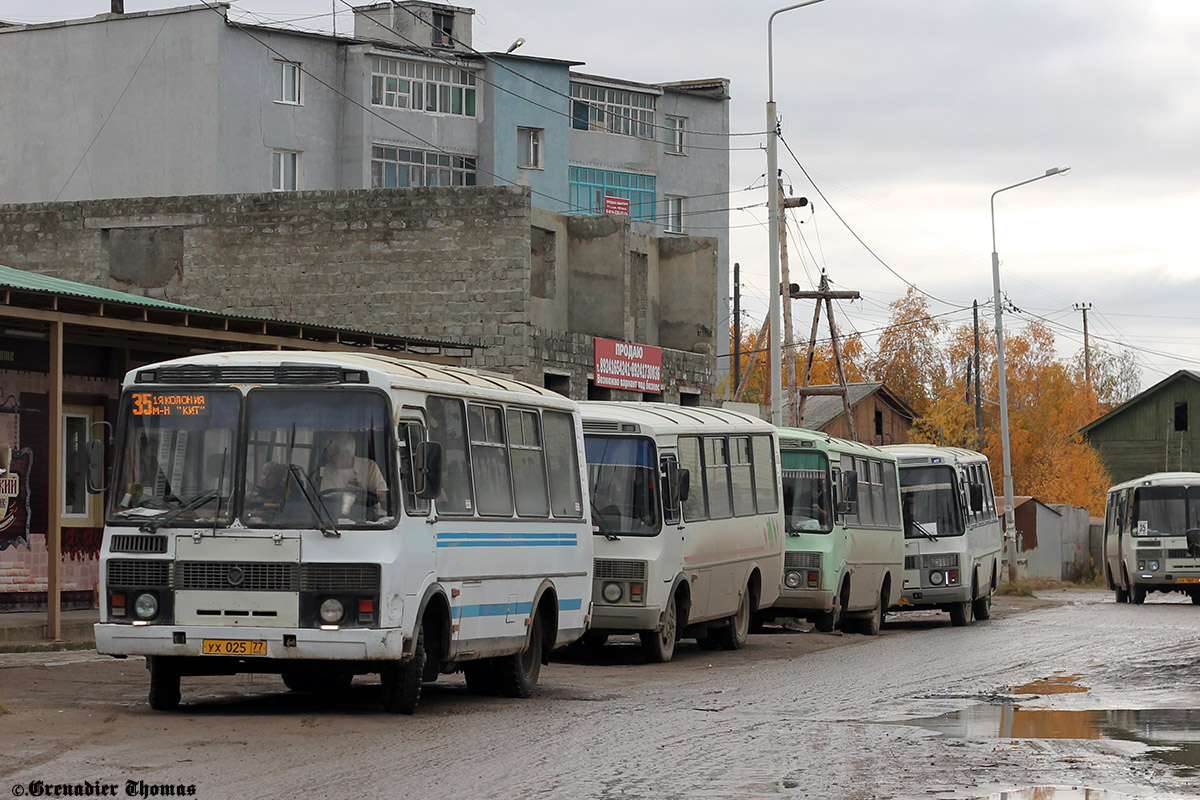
column 1174, row 733
column 1055, row 793
column 1055, row 684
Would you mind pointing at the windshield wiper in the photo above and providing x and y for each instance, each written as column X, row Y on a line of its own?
column 598, row 518
column 153, row 525
column 320, row 514
column 921, row 529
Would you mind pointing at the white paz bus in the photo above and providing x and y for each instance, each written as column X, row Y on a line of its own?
column 324, row 515
column 1152, row 536
column 688, row 528
column 952, row 535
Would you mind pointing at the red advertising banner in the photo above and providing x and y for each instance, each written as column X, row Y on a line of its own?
column 616, row 206
column 621, row 365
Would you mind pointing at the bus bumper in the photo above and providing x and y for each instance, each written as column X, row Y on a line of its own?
column 932, row 598
column 349, row 644
column 625, row 619
column 805, row 599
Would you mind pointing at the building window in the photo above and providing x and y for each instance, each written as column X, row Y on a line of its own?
column 674, row 222
column 597, row 108
column 1181, row 420
column 287, row 82
column 443, row 29
column 879, row 425
column 529, row 148
column 675, row 129
column 285, row 168
column 76, row 429
column 435, row 88
column 396, row 167
column 590, row 186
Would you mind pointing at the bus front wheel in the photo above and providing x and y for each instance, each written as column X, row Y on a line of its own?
column 1137, row 594
column 164, row 683
column 960, row 613
column 401, row 683
column 659, row 646
column 828, row 621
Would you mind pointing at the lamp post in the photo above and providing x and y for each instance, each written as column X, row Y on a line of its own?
column 773, row 225
column 1009, row 514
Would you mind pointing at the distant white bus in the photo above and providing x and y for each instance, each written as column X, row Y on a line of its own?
column 953, row 538
column 325, row 515
column 687, row 519
column 844, row 559
column 1152, row 536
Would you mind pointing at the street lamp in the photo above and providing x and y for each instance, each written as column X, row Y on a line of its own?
column 1009, row 514
column 773, row 225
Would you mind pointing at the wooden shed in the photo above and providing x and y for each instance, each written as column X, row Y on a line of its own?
column 1151, row 432
column 880, row 416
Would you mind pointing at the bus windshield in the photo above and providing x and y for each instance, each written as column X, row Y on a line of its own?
column 315, row 456
column 175, row 464
column 806, row 491
column 623, row 478
column 929, row 502
column 1166, row 510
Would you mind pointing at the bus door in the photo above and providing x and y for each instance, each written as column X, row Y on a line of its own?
column 1112, row 537
column 672, row 494
column 418, row 547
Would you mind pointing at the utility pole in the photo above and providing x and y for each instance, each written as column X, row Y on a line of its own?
column 737, row 325
column 785, row 290
column 978, row 396
column 828, row 295
column 1087, row 356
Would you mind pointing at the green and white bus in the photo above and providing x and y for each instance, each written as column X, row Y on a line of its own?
column 952, row 535
column 844, row 549
column 1152, row 536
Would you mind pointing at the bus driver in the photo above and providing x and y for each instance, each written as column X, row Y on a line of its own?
column 345, row 470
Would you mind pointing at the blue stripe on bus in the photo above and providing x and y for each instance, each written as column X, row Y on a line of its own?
column 507, row 540
column 503, row 609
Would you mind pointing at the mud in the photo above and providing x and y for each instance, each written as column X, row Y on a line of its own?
column 795, row 714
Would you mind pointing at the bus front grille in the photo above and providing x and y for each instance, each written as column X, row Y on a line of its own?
column 801, row 560
column 339, row 577
column 251, row 576
column 941, row 560
column 138, row 543
column 139, row 573
column 612, row 569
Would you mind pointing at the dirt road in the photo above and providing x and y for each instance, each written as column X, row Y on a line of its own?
column 796, row 714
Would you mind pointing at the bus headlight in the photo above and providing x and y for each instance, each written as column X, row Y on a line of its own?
column 792, row 580
column 332, row 610
column 146, row 606
column 613, row 592
column 1153, row 566
column 936, row 578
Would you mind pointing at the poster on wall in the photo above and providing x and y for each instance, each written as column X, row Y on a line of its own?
column 14, row 500
column 622, row 365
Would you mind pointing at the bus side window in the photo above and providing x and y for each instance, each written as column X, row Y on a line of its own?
column 851, row 517
column 695, row 507
column 528, row 463
column 448, row 427
column 670, row 484
column 562, row 464
column 410, row 434
column 766, row 490
column 890, row 499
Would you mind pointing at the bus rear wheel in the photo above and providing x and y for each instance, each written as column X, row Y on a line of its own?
column 517, row 674
column 659, row 646
column 982, row 607
column 733, row 635
column 1122, row 594
column 872, row 625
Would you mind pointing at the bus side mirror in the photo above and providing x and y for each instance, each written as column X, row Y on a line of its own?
column 95, row 467
column 849, row 493
column 427, row 470
column 1193, row 542
column 671, row 474
column 685, row 484
column 976, row 492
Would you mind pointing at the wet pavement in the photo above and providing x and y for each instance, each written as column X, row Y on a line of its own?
column 1052, row 695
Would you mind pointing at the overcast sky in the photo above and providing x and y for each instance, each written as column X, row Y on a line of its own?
column 907, row 115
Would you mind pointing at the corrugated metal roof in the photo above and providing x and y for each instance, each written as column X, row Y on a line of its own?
column 25, row 281
column 11, row 278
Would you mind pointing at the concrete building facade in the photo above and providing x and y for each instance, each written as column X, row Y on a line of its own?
column 184, row 102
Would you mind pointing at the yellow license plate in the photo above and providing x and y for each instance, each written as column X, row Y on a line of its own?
column 232, row 647
column 1187, row 580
